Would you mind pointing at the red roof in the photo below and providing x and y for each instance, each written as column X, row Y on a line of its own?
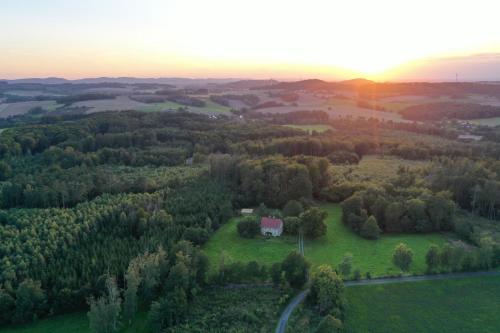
column 271, row 223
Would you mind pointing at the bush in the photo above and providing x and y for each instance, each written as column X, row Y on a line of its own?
column 248, row 227
column 402, row 257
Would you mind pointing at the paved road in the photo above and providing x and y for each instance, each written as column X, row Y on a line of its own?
column 300, row 297
column 288, row 311
column 301, row 243
column 420, row 278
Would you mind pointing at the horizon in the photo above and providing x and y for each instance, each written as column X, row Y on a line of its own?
column 406, row 41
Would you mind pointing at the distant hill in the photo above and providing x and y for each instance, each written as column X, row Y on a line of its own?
column 357, row 82
column 125, row 80
column 249, row 84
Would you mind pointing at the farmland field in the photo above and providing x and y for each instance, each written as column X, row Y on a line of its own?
column 368, row 255
column 19, row 108
column 492, row 122
column 454, row 306
column 310, row 128
column 446, row 306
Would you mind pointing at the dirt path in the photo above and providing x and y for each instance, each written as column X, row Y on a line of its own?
column 300, row 297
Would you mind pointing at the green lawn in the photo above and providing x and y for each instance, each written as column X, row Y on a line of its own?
column 454, row 306
column 261, row 249
column 369, row 256
column 309, row 128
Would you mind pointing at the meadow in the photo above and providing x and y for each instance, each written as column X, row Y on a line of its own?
column 372, row 256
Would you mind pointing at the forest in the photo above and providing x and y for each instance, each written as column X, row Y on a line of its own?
column 110, row 210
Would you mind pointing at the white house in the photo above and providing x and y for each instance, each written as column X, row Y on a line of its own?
column 271, row 227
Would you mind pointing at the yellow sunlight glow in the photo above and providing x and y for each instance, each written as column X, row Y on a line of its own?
column 259, row 38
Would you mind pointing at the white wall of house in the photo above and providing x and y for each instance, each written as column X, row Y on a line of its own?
column 275, row 232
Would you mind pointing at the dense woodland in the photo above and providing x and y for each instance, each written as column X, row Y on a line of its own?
column 123, row 201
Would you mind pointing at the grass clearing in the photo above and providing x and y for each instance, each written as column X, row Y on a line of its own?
column 454, row 306
column 261, row 249
column 377, row 167
column 368, row 255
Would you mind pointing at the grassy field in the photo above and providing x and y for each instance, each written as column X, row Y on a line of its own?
column 372, row 256
column 454, row 306
column 210, row 107
column 72, row 323
column 310, row 128
column 369, row 256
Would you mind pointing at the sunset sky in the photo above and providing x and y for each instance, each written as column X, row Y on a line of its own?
column 383, row 39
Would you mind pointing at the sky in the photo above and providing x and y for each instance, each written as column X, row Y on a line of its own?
column 284, row 39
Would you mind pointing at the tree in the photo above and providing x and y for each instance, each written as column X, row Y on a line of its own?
column 133, row 280
column 30, row 301
column 293, row 208
column 329, row 324
column 346, row 265
column 295, row 267
column 276, row 274
column 6, row 306
column 248, row 227
column 291, row 225
column 402, row 257
column 312, row 222
column 168, row 311
column 327, row 292
column 370, row 228
column 432, row 258
column 104, row 313
column 196, row 235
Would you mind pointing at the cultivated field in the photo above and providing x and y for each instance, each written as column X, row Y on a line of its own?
column 19, row 108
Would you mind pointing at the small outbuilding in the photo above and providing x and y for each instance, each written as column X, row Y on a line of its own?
column 247, row 211
column 271, row 226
